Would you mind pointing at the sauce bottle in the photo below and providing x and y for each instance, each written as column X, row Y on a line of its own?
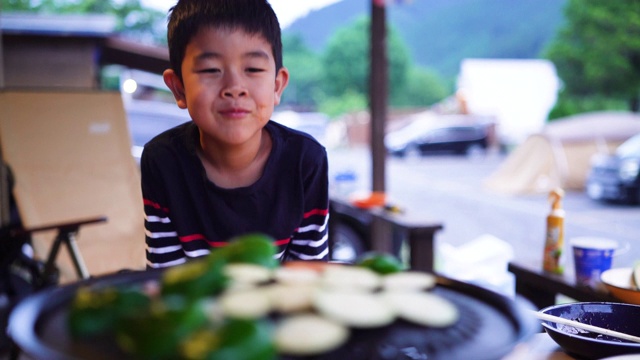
column 552, row 260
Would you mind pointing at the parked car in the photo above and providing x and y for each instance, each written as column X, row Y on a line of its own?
column 416, row 139
column 147, row 119
column 616, row 177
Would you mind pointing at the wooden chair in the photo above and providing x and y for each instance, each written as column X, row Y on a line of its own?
column 70, row 153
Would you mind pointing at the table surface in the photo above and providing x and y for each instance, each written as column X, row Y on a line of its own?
column 540, row 346
column 560, row 284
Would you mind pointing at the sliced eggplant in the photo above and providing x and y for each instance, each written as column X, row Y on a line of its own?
column 423, row 308
column 245, row 304
column 288, row 298
column 296, row 275
column 352, row 278
column 309, row 334
column 353, row 308
column 408, row 280
column 244, row 273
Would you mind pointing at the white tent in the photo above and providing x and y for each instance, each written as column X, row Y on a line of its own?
column 559, row 156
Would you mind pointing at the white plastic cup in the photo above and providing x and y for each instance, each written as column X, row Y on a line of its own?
column 592, row 256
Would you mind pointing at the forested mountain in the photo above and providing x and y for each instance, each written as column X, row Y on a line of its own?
column 440, row 33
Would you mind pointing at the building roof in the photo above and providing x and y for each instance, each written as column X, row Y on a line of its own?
column 85, row 25
column 154, row 59
column 115, row 49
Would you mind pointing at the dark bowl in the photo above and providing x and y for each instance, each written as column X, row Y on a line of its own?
column 583, row 344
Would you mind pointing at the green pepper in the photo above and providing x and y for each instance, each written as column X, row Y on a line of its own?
column 94, row 312
column 238, row 340
column 381, row 263
column 194, row 280
column 252, row 248
column 158, row 332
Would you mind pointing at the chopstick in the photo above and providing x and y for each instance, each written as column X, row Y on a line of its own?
column 591, row 328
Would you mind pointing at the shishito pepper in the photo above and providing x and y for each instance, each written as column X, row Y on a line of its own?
column 96, row 311
column 157, row 332
column 195, row 279
column 251, row 248
column 381, row 263
column 205, row 276
column 236, row 339
column 173, row 325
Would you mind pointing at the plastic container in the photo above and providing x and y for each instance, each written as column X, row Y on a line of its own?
column 345, row 183
column 554, row 241
column 592, row 256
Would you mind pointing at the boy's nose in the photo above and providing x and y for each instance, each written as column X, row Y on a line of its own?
column 233, row 86
column 234, row 91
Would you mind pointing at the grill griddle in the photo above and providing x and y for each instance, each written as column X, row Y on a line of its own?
column 490, row 326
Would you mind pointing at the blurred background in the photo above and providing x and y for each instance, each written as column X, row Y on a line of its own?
column 491, row 103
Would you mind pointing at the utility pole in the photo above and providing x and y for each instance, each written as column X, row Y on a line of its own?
column 378, row 83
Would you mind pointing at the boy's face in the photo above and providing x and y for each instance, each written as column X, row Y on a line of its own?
column 229, row 84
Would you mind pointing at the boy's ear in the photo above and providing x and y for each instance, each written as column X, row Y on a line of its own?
column 282, row 79
column 175, row 85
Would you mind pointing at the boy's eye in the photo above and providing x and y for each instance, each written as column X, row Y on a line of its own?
column 254, row 70
column 209, row 70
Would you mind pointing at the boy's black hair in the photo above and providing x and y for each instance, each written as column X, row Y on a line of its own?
column 187, row 17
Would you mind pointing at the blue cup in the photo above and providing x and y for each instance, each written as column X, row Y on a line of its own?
column 592, row 256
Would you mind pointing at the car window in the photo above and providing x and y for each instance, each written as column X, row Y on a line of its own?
column 439, row 135
column 455, row 134
column 630, row 147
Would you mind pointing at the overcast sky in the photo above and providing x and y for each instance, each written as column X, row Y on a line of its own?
column 287, row 10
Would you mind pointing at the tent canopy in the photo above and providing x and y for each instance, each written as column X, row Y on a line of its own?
column 560, row 155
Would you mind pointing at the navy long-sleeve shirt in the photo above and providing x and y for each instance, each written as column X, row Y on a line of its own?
column 186, row 214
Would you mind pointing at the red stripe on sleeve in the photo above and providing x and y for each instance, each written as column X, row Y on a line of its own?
column 322, row 212
column 154, row 205
column 194, row 237
column 282, row 242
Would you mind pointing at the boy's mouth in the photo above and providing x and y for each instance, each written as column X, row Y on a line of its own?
column 234, row 112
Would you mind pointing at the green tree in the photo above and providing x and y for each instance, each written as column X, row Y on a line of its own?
column 423, row 87
column 597, row 52
column 346, row 60
column 305, row 72
column 345, row 78
column 133, row 20
column 350, row 101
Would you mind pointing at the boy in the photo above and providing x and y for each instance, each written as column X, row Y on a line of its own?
column 230, row 170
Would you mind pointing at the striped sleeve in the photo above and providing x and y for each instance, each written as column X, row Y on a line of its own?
column 310, row 240
column 163, row 247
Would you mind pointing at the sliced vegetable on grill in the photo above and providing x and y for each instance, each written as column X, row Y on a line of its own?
column 380, row 262
column 195, row 279
column 224, row 305
column 350, row 277
column 408, row 280
column 290, row 298
column 237, row 339
column 96, row 311
column 157, row 331
column 252, row 248
column 355, row 309
column 243, row 274
column 423, row 308
column 296, row 275
column 308, row 335
column 250, row 303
